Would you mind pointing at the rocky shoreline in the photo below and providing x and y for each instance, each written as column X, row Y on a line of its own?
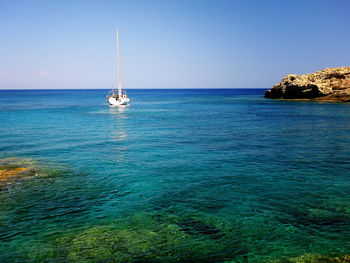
column 330, row 84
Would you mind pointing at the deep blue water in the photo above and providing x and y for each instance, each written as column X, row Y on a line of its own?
column 178, row 175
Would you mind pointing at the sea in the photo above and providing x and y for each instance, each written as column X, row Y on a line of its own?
column 179, row 175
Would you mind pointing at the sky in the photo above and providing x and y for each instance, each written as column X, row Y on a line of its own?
column 169, row 43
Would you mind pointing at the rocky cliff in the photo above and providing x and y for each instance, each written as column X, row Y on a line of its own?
column 330, row 84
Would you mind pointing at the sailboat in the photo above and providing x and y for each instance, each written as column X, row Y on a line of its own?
column 119, row 98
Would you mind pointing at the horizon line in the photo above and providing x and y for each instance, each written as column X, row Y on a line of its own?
column 134, row 89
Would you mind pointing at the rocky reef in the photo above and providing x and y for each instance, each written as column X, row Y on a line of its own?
column 147, row 237
column 11, row 168
column 313, row 258
column 330, row 84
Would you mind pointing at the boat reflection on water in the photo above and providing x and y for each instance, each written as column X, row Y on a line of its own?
column 118, row 137
column 118, row 112
column 119, row 116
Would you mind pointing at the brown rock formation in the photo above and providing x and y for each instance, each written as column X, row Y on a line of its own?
column 13, row 172
column 11, row 168
column 330, row 84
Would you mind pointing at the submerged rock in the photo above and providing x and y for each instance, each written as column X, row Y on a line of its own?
column 193, row 226
column 11, row 168
column 313, row 258
column 340, row 205
column 330, row 84
column 147, row 238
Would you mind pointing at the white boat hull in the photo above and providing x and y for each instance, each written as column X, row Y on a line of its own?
column 114, row 102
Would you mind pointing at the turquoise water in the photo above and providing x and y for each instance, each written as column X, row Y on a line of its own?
column 178, row 175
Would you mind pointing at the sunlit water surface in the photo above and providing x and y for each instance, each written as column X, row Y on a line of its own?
column 178, row 175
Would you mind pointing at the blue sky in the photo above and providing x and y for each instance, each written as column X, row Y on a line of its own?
column 169, row 44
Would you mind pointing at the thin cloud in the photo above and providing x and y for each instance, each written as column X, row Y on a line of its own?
column 43, row 72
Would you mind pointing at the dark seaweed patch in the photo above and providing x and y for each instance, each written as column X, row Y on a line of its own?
column 194, row 227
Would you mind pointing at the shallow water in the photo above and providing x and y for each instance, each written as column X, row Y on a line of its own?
column 178, row 175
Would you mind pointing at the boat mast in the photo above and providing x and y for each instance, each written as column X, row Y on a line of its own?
column 119, row 73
